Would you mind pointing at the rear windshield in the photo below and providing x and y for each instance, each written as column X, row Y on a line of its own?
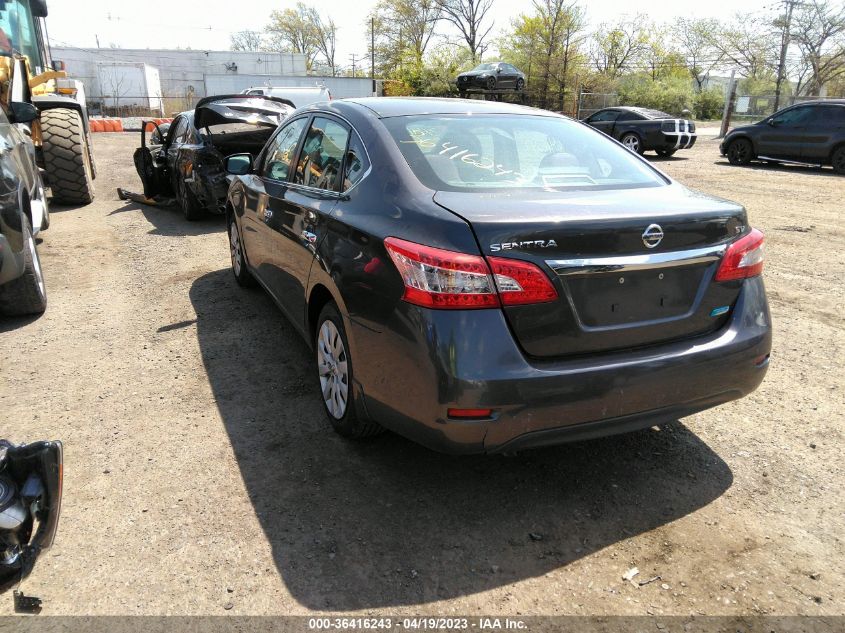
column 494, row 152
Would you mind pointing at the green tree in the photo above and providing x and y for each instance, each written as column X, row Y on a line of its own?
column 696, row 42
column 291, row 31
column 546, row 45
column 403, row 31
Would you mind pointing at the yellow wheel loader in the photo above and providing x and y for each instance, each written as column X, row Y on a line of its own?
column 35, row 93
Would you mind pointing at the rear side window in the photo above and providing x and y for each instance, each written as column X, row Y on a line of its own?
column 280, row 153
column 321, row 157
column 487, row 153
column 630, row 116
column 834, row 114
column 356, row 164
column 177, row 132
column 607, row 115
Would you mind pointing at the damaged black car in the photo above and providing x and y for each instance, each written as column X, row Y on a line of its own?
column 188, row 165
column 30, row 501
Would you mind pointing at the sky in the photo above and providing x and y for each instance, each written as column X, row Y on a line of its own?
column 207, row 24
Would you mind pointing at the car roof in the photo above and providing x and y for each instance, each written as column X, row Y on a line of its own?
column 821, row 102
column 385, row 107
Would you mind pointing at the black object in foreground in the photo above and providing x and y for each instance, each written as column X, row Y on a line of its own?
column 30, row 501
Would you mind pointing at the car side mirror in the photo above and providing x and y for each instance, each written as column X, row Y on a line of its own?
column 498, row 70
column 772, row 123
column 23, row 112
column 238, row 164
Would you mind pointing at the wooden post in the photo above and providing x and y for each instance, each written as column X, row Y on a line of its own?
column 729, row 106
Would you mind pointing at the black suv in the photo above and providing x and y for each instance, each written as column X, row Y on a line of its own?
column 810, row 133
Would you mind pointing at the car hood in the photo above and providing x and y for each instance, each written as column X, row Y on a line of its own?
column 251, row 109
column 476, row 73
column 743, row 128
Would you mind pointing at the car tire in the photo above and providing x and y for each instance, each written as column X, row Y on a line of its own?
column 238, row 256
column 837, row 160
column 490, row 83
column 520, row 85
column 665, row 153
column 26, row 294
column 633, row 142
column 335, row 376
column 740, row 152
column 191, row 209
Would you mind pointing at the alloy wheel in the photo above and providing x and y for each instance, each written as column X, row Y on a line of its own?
column 739, row 152
column 36, row 264
column 333, row 365
column 632, row 142
column 839, row 161
column 235, row 248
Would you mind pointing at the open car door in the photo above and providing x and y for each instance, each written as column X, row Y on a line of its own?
column 151, row 165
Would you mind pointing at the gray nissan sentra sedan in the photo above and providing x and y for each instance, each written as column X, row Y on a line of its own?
column 482, row 277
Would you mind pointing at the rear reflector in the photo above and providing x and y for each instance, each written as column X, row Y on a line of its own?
column 437, row 278
column 744, row 258
column 467, row 414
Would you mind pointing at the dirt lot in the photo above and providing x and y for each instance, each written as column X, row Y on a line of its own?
column 201, row 477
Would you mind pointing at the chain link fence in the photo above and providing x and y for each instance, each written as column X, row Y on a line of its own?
column 590, row 102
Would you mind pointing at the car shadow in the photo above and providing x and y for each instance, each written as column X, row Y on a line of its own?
column 12, row 323
column 666, row 159
column 169, row 221
column 385, row 522
column 782, row 167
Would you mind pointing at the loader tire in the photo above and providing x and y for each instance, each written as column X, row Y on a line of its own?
column 68, row 159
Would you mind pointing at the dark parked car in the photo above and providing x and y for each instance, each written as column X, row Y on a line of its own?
column 808, row 133
column 491, row 76
column 189, row 164
column 489, row 277
column 23, row 213
column 642, row 129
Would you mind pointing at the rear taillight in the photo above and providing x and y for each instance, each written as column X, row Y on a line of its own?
column 437, row 278
column 744, row 258
column 521, row 282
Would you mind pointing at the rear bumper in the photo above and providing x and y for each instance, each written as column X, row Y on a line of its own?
column 671, row 140
column 427, row 361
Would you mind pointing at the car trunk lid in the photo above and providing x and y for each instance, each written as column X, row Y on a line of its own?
column 614, row 290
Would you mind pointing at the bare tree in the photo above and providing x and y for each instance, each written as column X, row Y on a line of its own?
column 246, row 41
column 468, row 17
column 750, row 44
column 324, row 34
column 819, row 31
column 617, row 46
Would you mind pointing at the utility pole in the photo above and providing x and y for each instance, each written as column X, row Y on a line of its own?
column 784, row 46
column 373, row 53
column 353, row 56
column 730, row 99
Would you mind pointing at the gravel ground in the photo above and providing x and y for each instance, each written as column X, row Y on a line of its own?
column 202, row 478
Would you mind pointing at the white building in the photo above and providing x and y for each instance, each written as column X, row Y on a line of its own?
column 184, row 74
